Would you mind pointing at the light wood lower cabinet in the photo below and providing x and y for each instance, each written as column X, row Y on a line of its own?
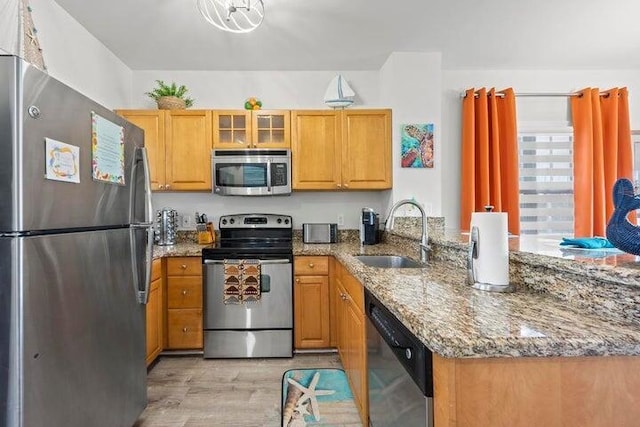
column 154, row 317
column 537, row 391
column 311, row 302
column 184, row 303
column 351, row 336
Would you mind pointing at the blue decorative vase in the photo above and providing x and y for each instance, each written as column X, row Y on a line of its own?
column 620, row 232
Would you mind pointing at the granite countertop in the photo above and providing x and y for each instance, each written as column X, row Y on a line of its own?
column 455, row 320
column 179, row 249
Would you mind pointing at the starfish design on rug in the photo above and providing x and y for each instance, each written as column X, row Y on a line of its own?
column 310, row 393
column 302, row 409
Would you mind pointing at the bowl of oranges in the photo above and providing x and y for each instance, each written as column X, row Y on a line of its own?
column 252, row 104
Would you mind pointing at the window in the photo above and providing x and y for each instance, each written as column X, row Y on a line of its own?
column 546, row 183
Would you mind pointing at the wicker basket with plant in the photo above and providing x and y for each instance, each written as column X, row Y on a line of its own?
column 170, row 97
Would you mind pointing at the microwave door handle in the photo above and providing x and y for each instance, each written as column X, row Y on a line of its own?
column 269, row 175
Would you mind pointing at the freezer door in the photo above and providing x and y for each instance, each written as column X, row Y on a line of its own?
column 35, row 106
column 82, row 356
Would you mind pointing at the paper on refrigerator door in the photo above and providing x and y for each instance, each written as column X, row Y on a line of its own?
column 62, row 161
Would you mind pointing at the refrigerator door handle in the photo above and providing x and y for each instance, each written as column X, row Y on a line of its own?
column 143, row 296
column 147, row 186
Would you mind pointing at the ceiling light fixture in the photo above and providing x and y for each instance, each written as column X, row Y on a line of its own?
column 235, row 16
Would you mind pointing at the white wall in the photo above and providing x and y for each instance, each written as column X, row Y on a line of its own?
column 302, row 206
column 276, row 89
column 75, row 57
column 529, row 110
column 410, row 83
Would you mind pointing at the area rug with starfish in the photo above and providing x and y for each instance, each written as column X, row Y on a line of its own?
column 317, row 397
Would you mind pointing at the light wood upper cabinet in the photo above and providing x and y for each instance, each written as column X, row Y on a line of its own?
column 341, row 150
column 316, row 150
column 366, row 149
column 232, row 128
column 152, row 122
column 179, row 145
column 251, row 129
column 188, row 150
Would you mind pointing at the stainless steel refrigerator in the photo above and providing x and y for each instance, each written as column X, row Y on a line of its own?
column 75, row 257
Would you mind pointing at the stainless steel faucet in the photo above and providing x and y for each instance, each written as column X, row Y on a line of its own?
column 424, row 247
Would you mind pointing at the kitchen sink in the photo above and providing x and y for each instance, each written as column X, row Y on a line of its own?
column 388, row 261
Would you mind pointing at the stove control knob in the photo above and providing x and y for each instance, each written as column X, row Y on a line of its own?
column 279, row 220
column 286, row 221
column 224, row 222
column 231, row 221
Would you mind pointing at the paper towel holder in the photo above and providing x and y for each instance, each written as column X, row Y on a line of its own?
column 471, row 276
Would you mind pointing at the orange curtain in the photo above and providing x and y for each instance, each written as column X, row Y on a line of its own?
column 601, row 154
column 489, row 155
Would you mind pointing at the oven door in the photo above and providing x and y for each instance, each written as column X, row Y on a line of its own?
column 274, row 310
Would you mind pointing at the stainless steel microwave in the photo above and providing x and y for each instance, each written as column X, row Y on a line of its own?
column 251, row 172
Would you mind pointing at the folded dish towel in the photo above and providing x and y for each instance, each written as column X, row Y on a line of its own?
column 250, row 290
column 231, row 291
column 587, row 242
column 241, row 281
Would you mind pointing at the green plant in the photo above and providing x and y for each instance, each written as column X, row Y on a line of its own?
column 170, row 90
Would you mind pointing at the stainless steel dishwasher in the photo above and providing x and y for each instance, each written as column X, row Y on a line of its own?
column 399, row 370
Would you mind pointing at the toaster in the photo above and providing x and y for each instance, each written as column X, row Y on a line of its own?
column 320, row 233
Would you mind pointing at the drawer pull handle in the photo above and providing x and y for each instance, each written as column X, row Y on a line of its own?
column 185, row 329
column 311, row 265
column 183, row 266
column 184, row 292
column 297, row 280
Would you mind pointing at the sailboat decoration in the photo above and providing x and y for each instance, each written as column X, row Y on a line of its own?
column 339, row 94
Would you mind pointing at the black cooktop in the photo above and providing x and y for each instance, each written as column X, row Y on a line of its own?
column 252, row 235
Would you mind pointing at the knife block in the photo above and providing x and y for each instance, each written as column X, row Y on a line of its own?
column 207, row 236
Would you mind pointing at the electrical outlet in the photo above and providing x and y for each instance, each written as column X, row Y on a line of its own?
column 187, row 221
column 340, row 219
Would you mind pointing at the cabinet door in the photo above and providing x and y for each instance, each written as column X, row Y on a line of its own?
column 231, row 128
column 154, row 321
column 356, row 348
column 271, row 128
column 311, row 312
column 152, row 122
column 316, row 154
column 188, row 148
column 366, row 149
column 341, row 330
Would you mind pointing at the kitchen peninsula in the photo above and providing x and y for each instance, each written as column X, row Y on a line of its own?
column 543, row 353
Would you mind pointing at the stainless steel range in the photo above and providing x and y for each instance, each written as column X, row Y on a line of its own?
column 259, row 326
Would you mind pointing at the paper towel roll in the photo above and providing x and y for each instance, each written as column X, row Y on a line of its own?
column 492, row 264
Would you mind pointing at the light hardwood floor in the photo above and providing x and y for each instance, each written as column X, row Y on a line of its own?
column 190, row 391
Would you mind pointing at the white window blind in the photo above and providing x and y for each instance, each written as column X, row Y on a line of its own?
column 546, row 183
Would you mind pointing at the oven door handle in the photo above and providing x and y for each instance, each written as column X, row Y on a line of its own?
column 262, row 261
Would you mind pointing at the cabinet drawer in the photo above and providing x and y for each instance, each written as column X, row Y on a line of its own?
column 185, row 328
column 156, row 269
column 311, row 265
column 184, row 266
column 184, row 292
